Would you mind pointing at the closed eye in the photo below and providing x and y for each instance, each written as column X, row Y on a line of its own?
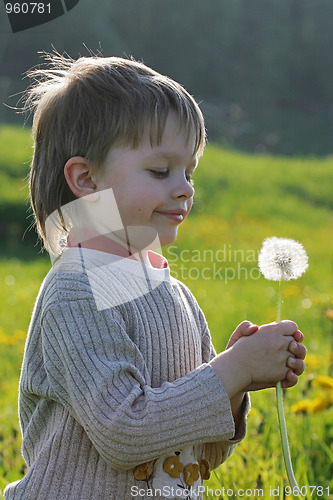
column 159, row 174
column 163, row 174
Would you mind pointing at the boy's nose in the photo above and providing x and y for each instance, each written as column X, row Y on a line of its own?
column 183, row 189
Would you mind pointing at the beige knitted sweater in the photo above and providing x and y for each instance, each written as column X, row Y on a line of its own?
column 115, row 374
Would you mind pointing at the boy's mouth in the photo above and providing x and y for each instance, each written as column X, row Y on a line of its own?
column 176, row 216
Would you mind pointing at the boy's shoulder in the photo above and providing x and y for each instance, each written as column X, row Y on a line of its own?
column 191, row 300
column 184, row 289
column 66, row 280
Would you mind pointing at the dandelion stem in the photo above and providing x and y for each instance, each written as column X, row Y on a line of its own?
column 280, row 409
column 284, row 439
column 280, row 299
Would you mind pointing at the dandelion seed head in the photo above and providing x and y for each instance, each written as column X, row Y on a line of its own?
column 282, row 259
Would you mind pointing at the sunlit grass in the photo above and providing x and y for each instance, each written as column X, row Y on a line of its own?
column 240, row 200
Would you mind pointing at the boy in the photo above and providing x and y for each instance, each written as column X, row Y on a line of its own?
column 121, row 391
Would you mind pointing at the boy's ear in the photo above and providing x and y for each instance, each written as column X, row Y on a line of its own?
column 78, row 176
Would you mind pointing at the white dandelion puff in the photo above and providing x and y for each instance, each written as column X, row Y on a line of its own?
column 282, row 259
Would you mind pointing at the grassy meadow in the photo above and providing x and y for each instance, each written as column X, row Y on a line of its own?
column 240, row 200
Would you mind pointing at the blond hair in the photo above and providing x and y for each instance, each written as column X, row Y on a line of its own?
column 87, row 106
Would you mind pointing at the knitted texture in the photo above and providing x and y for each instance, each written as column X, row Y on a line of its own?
column 107, row 387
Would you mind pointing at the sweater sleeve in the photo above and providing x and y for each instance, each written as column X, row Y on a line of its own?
column 98, row 374
column 217, row 452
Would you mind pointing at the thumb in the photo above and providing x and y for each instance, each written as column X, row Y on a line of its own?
column 246, row 328
column 243, row 329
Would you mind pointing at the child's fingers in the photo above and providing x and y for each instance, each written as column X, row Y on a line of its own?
column 290, row 380
column 298, row 336
column 296, row 365
column 287, row 327
column 246, row 328
column 252, row 329
column 298, row 350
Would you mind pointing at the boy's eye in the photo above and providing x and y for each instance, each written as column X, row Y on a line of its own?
column 162, row 174
column 159, row 174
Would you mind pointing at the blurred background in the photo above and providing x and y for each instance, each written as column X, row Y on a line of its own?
column 262, row 71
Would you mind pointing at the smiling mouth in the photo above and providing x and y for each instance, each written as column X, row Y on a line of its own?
column 175, row 217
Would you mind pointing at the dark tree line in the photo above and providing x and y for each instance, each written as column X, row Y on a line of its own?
column 262, row 69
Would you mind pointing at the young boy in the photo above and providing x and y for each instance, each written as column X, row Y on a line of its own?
column 121, row 391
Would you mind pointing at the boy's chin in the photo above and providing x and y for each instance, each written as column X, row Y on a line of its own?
column 167, row 239
column 139, row 238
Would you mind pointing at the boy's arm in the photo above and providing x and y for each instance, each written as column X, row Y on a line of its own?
column 217, row 452
column 209, row 353
column 237, row 407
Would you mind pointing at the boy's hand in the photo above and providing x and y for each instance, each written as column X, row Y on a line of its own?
column 295, row 361
column 260, row 359
column 298, row 351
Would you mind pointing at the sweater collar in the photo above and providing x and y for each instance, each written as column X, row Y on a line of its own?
column 101, row 243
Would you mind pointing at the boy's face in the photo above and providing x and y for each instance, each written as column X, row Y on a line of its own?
column 152, row 185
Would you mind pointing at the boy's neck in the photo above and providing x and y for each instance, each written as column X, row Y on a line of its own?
column 106, row 243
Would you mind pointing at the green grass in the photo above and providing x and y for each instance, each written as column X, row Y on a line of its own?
column 240, row 200
column 20, row 282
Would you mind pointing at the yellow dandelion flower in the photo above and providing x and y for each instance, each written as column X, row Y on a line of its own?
column 311, row 405
column 329, row 313
column 304, row 405
column 12, row 339
column 324, row 381
column 318, row 404
column 20, row 335
column 6, row 339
